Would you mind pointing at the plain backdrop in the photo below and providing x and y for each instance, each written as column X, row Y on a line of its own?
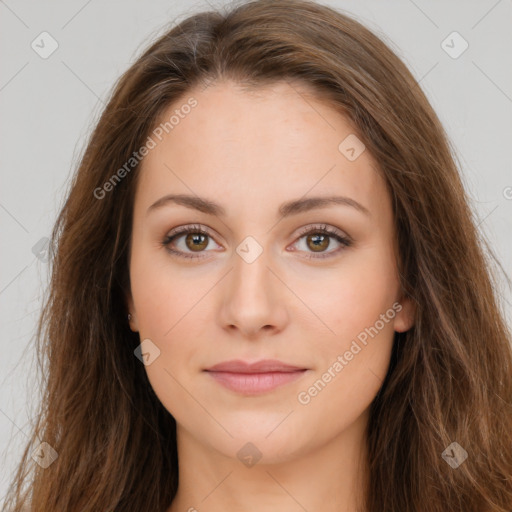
column 49, row 105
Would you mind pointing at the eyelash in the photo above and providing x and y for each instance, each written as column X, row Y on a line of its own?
column 345, row 241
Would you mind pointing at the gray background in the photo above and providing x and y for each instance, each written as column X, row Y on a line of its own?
column 48, row 107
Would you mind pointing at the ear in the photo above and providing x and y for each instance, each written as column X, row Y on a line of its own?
column 132, row 315
column 406, row 312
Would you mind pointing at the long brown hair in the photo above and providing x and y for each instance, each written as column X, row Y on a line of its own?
column 450, row 377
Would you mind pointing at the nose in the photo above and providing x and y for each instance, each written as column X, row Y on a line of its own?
column 253, row 299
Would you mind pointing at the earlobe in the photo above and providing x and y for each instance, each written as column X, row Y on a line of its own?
column 132, row 318
column 132, row 322
column 404, row 318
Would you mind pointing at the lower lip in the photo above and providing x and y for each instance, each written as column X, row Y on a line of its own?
column 255, row 383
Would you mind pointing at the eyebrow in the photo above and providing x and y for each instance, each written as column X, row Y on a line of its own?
column 286, row 209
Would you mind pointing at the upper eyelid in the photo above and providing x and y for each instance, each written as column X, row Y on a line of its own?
column 181, row 230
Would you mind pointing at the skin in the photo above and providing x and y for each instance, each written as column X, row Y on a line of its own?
column 250, row 152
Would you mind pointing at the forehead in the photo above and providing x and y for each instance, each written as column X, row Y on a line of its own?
column 242, row 145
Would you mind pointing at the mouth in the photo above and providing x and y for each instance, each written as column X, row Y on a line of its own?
column 254, row 378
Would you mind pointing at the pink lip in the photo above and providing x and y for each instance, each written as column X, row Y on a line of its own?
column 254, row 378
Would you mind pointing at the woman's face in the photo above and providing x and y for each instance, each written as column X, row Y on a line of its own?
column 265, row 282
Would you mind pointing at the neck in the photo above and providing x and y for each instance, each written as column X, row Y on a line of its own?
column 328, row 477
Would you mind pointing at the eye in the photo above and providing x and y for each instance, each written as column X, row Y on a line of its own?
column 196, row 240
column 318, row 238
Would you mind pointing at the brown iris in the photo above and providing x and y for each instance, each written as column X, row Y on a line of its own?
column 318, row 247
column 198, row 241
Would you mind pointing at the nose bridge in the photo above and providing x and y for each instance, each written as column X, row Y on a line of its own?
column 250, row 301
column 251, row 276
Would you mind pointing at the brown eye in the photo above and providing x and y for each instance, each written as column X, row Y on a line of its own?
column 196, row 241
column 318, row 242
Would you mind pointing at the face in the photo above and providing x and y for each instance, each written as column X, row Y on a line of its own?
column 311, row 284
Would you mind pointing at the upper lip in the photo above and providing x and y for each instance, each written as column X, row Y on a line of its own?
column 263, row 366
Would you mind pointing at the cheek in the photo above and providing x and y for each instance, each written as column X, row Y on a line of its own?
column 169, row 306
column 163, row 295
column 356, row 303
column 361, row 316
column 352, row 365
column 352, row 296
